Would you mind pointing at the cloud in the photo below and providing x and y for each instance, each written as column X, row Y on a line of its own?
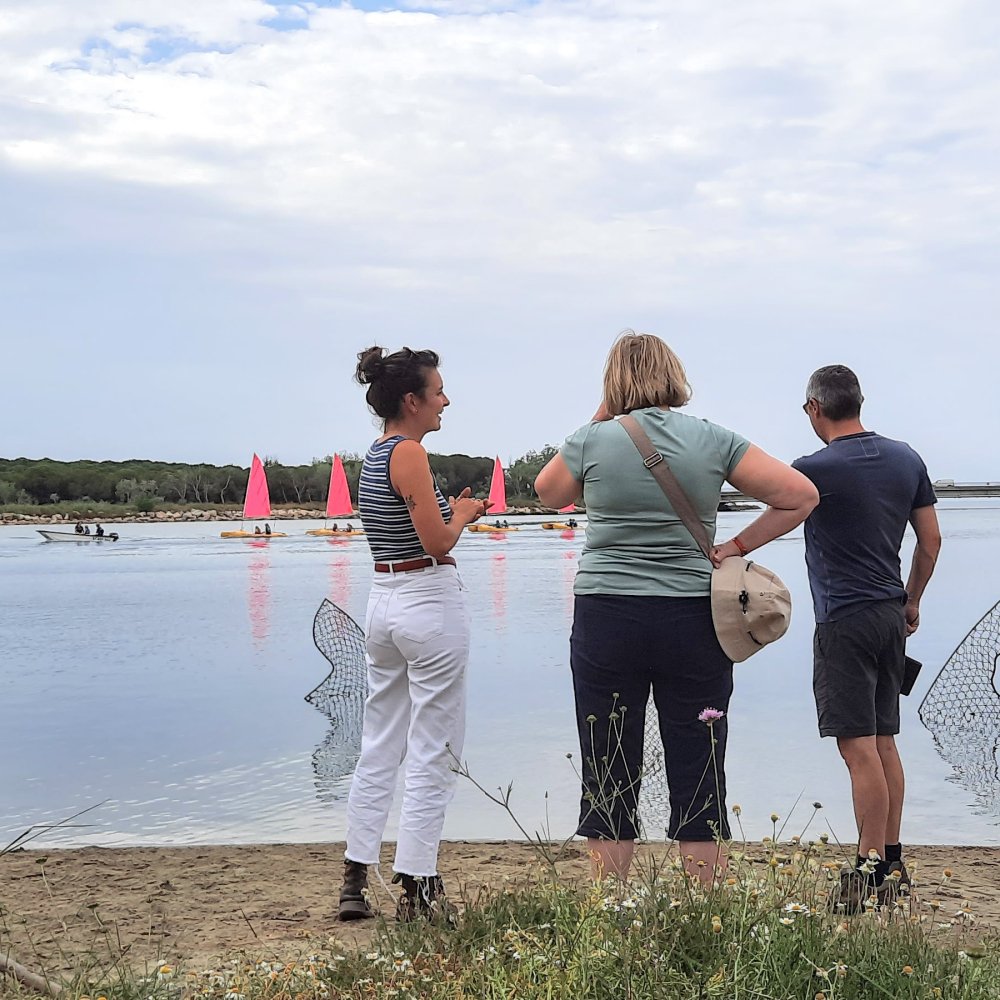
column 611, row 162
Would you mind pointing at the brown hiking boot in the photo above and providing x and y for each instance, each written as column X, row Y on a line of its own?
column 354, row 903
column 856, row 893
column 423, row 896
column 899, row 888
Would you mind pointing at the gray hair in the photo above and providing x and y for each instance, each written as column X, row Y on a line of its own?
column 837, row 391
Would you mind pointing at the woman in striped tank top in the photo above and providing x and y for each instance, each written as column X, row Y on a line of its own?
column 417, row 638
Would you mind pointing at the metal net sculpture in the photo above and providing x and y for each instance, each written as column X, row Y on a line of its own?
column 654, row 796
column 962, row 712
column 340, row 697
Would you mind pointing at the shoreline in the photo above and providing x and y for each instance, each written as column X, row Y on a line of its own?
column 192, row 905
column 197, row 514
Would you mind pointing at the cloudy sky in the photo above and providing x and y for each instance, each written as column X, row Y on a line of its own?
column 208, row 208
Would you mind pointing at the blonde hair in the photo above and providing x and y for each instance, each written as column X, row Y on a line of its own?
column 642, row 371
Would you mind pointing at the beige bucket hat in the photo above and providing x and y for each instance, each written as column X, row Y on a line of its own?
column 751, row 607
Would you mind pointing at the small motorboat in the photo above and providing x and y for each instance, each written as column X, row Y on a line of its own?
column 77, row 536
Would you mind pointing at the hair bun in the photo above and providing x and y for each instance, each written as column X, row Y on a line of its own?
column 371, row 364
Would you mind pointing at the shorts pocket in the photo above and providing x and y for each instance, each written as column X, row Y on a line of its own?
column 419, row 614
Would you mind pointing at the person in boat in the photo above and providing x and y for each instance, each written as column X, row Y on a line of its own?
column 99, row 531
column 571, row 522
column 336, row 527
column 497, row 524
column 642, row 615
column 256, row 530
column 267, row 528
column 505, row 524
column 872, row 487
column 79, row 528
column 86, row 529
column 418, row 638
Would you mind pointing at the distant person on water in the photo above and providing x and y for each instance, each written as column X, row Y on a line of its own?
column 642, row 616
column 417, row 629
column 267, row 529
column 871, row 488
column 336, row 527
column 256, row 530
column 99, row 531
column 86, row 529
column 79, row 528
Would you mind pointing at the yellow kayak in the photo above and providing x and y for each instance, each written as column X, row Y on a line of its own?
column 263, row 536
column 330, row 532
column 489, row 528
column 556, row 526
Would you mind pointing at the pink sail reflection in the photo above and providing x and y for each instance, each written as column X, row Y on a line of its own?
column 259, row 594
column 340, row 579
column 498, row 587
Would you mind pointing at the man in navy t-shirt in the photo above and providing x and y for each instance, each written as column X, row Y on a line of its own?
column 870, row 487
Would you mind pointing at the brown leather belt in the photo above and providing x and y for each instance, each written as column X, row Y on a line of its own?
column 409, row 565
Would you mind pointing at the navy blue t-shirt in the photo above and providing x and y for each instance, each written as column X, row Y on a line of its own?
column 868, row 486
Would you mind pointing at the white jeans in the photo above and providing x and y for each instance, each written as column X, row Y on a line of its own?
column 417, row 632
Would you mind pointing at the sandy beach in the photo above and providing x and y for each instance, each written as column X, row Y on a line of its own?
column 193, row 905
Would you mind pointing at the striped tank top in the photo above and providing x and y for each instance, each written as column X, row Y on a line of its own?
column 384, row 514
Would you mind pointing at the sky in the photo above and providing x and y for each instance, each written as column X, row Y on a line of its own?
column 208, row 209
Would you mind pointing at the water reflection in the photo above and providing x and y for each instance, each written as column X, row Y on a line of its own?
column 340, row 697
column 962, row 712
column 569, row 578
column 259, row 593
column 340, row 576
column 498, row 587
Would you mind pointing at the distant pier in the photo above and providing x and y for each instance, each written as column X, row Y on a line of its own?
column 944, row 488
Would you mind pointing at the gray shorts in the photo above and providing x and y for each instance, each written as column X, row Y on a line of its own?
column 858, row 671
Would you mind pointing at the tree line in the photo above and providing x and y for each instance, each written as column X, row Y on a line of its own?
column 144, row 484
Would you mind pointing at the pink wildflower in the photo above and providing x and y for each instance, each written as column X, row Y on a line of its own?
column 710, row 715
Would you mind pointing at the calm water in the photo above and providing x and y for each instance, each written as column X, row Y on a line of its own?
column 166, row 674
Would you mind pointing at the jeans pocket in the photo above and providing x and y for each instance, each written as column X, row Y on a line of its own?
column 419, row 614
column 376, row 606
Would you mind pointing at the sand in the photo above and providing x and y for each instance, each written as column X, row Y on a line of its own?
column 194, row 905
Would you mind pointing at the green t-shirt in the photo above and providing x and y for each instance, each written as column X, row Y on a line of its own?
column 636, row 544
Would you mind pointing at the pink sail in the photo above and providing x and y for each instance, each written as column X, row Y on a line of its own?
column 568, row 509
column 258, row 501
column 498, row 490
column 338, row 501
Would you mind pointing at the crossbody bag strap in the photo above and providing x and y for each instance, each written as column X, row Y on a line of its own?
column 664, row 475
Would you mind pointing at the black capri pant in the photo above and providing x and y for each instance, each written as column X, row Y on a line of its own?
column 621, row 647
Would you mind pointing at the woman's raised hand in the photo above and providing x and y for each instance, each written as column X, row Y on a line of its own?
column 466, row 507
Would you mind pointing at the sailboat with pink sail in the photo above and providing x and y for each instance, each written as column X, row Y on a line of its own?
column 256, row 506
column 498, row 502
column 338, row 503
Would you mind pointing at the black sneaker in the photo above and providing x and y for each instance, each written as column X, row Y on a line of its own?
column 354, row 903
column 423, row 897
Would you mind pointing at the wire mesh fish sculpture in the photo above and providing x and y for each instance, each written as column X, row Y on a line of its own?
column 654, row 795
column 340, row 697
column 961, row 710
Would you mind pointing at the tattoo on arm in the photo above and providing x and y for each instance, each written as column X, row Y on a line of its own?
column 410, row 502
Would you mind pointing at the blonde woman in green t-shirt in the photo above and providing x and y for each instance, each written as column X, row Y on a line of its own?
column 642, row 617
